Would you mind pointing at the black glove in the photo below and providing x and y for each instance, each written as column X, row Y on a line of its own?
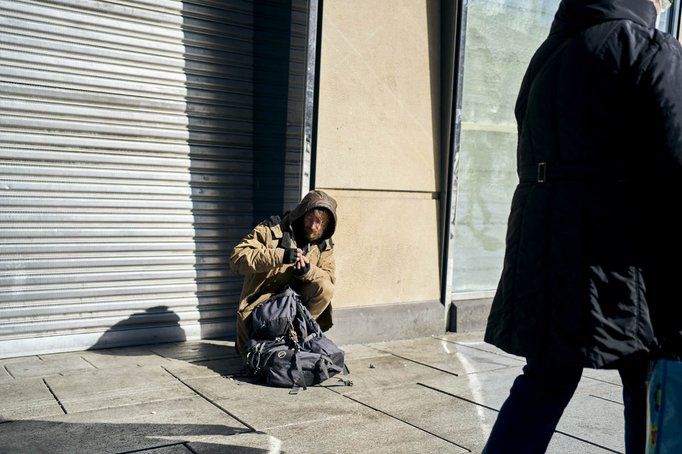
column 289, row 256
column 302, row 271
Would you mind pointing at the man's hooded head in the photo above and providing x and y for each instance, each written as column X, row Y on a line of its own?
column 314, row 219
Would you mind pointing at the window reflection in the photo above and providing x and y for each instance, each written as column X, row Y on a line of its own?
column 500, row 38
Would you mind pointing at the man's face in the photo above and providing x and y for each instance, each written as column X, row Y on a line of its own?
column 313, row 225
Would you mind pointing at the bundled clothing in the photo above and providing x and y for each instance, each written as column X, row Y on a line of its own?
column 260, row 257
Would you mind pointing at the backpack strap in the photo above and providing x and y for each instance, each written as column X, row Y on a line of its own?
column 274, row 220
column 295, row 388
column 310, row 337
column 328, row 364
column 345, row 374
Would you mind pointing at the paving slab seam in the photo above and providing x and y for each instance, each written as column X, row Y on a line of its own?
column 619, row 385
column 605, row 399
column 206, row 360
column 407, row 423
column 148, row 449
column 89, row 362
column 8, row 372
column 471, row 346
column 587, row 441
column 458, row 397
column 449, row 372
column 203, row 396
column 55, row 396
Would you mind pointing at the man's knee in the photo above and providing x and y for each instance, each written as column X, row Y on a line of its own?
column 317, row 297
column 325, row 290
column 315, row 291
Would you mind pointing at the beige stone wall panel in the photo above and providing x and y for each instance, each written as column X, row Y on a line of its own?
column 387, row 248
column 378, row 103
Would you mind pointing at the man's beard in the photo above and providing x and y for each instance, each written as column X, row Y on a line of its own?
column 312, row 235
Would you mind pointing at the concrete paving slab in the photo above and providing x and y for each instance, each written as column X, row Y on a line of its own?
column 263, row 407
column 197, row 351
column 58, row 364
column 562, row 444
column 607, row 387
column 360, row 351
column 122, row 429
column 605, row 375
column 107, row 388
column 385, row 371
column 124, row 357
column 18, row 359
column 364, row 431
column 597, row 428
column 613, row 394
column 447, row 355
column 461, row 422
column 488, row 389
column 594, row 419
column 587, row 417
column 226, row 367
column 246, row 443
column 490, row 357
column 27, row 398
column 475, row 340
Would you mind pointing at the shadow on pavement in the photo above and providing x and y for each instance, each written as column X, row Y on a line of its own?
column 120, row 340
column 34, row 436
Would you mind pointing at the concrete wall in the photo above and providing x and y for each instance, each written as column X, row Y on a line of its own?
column 378, row 151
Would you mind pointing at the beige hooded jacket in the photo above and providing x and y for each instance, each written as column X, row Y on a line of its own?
column 259, row 257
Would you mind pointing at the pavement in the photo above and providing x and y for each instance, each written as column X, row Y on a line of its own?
column 438, row 394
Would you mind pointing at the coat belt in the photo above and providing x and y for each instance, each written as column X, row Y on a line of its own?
column 544, row 172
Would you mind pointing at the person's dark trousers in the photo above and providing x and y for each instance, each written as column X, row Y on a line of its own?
column 634, row 372
column 537, row 400
column 532, row 411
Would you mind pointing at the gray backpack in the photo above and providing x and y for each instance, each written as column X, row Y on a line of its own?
column 287, row 348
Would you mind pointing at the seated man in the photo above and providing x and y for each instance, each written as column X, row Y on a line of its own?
column 296, row 251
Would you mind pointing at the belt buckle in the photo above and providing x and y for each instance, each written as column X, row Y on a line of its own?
column 542, row 172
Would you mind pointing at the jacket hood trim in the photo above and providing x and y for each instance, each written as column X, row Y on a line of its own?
column 574, row 15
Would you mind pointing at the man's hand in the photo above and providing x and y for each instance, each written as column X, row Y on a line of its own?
column 302, row 264
column 301, row 260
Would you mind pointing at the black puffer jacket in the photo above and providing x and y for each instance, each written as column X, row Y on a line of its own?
column 593, row 254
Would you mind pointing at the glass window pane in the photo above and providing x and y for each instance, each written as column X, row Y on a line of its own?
column 500, row 38
column 663, row 20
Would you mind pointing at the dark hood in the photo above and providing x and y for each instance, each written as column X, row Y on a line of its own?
column 575, row 15
column 314, row 199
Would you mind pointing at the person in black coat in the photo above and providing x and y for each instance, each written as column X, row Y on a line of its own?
column 592, row 251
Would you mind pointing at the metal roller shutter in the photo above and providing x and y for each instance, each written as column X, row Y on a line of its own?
column 128, row 165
